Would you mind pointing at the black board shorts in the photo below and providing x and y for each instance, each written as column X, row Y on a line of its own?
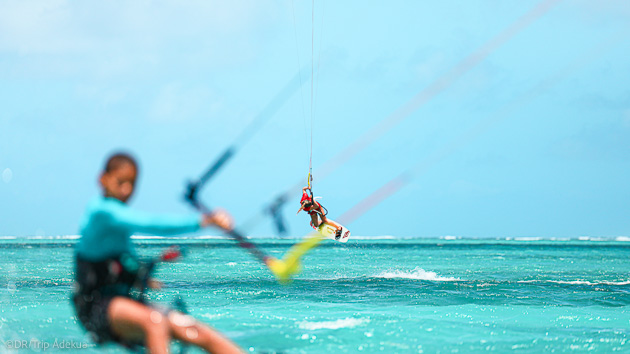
column 96, row 285
column 92, row 313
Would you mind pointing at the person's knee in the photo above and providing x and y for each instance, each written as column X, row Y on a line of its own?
column 156, row 325
column 186, row 325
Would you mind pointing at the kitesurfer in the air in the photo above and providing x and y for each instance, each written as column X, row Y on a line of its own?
column 315, row 210
column 107, row 268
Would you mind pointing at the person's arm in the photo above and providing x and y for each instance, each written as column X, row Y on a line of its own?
column 219, row 218
column 157, row 224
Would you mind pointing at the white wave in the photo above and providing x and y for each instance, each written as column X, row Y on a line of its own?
column 528, row 239
column 40, row 237
column 560, row 239
column 577, row 282
column 61, row 237
column 210, row 237
column 584, row 282
column 155, row 237
column 450, row 238
column 383, row 237
column 418, row 274
column 591, row 238
column 69, row 237
column 365, row 238
column 340, row 323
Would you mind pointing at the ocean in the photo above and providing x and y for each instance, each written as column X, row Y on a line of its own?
column 392, row 295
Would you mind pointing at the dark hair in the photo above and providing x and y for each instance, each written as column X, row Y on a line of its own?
column 116, row 160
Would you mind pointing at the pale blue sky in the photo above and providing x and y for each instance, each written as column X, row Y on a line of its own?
column 175, row 83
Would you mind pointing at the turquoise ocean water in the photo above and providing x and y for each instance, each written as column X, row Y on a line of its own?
column 369, row 295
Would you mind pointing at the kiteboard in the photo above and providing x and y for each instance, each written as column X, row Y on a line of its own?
column 330, row 230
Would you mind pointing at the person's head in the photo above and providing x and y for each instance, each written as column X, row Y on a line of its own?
column 119, row 176
column 305, row 204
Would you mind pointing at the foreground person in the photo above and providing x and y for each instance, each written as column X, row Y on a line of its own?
column 107, row 269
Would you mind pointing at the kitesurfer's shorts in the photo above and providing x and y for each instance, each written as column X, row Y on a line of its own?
column 91, row 310
column 96, row 285
column 92, row 313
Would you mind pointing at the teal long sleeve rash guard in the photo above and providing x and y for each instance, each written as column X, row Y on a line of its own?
column 108, row 224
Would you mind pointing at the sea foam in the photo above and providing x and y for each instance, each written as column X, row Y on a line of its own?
column 528, row 238
column 340, row 323
column 383, row 237
column 577, row 282
column 584, row 282
column 418, row 274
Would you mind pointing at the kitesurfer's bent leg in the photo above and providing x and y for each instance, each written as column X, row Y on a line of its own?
column 314, row 219
column 324, row 218
column 189, row 330
column 134, row 322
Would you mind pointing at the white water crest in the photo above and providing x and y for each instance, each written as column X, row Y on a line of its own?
column 584, row 282
column 450, row 238
column 383, row 237
column 157, row 237
column 355, row 238
column 210, row 237
column 418, row 274
column 60, row 237
column 340, row 323
column 577, row 282
column 528, row 238
column 591, row 238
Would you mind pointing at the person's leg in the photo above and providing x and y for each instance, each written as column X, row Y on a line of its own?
column 189, row 330
column 324, row 219
column 314, row 220
column 133, row 322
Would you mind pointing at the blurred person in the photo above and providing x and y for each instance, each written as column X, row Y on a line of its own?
column 107, row 268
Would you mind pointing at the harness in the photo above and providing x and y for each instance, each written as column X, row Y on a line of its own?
column 307, row 197
column 110, row 277
column 119, row 276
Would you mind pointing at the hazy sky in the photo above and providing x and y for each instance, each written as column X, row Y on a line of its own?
column 532, row 138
